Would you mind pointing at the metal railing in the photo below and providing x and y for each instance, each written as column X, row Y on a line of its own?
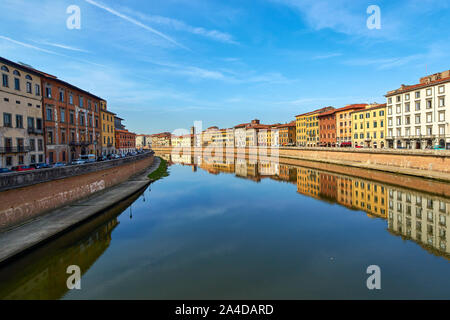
column 20, row 149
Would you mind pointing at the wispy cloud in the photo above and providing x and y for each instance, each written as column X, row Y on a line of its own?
column 30, row 46
column 327, row 56
column 61, row 46
column 27, row 45
column 135, row 22
column 182, row 26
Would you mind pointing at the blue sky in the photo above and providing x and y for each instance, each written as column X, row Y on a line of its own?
column 164, row 64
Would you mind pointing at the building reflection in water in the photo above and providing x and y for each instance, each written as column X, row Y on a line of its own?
column 41, row 275
column 412, row 215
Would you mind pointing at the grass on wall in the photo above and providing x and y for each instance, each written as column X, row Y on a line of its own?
column 161, row 172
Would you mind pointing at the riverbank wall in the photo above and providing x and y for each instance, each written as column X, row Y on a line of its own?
column 430, row 164
column 26, row 195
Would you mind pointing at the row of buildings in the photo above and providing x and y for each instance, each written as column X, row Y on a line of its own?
column 410, row 214
column 413, row 117
column 44, row 119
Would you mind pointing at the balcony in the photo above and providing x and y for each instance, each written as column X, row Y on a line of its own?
column 79, row 144
column 34, row 131
column 21, row 149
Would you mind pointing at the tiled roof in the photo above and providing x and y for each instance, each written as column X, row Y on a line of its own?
column 416, row 86
column 313, row 112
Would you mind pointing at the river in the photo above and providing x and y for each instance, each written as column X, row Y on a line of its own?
column 240, row 229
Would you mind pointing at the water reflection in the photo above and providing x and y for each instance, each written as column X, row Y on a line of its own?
column 415, row 216
column 42, row 273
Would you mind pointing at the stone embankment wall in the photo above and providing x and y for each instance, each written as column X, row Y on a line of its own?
column 26, row 195
column 433, row 164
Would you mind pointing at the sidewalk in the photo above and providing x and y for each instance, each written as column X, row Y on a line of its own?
column 56, row 222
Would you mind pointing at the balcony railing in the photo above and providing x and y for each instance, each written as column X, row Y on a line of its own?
column 34, row 131
column 21, row 149
column 80, row 143
column 423, row 136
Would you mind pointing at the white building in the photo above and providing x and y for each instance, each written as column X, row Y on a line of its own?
column 418, row 115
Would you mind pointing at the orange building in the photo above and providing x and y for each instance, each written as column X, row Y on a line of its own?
column 344, row 124
column 327, row 125
column 125, row 141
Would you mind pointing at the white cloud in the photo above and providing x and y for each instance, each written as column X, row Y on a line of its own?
column 182, row 26
column 135, row 22
column 61, row 46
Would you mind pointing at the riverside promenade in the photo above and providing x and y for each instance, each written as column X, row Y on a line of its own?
column 27, row 236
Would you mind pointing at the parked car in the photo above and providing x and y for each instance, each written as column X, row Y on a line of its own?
column 40, row 166
column 78, row 162
column 88, row 158
column 102, row 158
column 59, row 165
column 359, row 147
column 22, row 168
column 4, row 170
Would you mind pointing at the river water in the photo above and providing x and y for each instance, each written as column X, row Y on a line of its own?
column 241, row 229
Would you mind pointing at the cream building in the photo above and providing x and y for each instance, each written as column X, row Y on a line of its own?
column 21, row 123
column 421, row 218
column 418, row 115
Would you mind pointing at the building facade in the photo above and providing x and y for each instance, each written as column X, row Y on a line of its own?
column 369, row 127
column 327, row 127
column 125, row 141
column 344, row 124
column 108, row 136
column 307, row 126
column 71, row 121
column 162, row 139
column 21, row 123
column 286, row 134
column 143, row 141
column 418, row 115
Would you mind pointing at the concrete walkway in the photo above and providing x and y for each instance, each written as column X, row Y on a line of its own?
column 56, row 222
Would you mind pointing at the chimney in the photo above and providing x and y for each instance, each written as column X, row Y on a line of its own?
column 256, row 121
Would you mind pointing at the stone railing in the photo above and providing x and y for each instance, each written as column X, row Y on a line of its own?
column 16, row 180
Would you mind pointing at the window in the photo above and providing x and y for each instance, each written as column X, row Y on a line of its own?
column 16, row 73
column 48, row 92
column 407, row 97
column 407, row 120
column 38, row 124
column 49, row 137
column 429, row 91
column 40, row 145
column 5, row 80
column 7, row 120
column 442, row 116
column 49, row 114
column 19, row 121
column 29, row 88
column 417, row 93
column 441, row 102
column 417, row 118
column 399, row 98
column 389, row 110
column 81, row 102
column 17, row 84
column 61, row 95
column 72, row 117
column 71, row 99
column 429, row 117
column 441, row 89
column 398, row 108
column 417, row 105
column 30, row 122
column 4, row 68
column 429, row 104
column 389, row 100
column 37, row 89
column 32, row 145
column 407, row 107
column 63, row 115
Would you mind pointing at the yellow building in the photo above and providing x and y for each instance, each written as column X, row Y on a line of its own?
column 369, row 127
column 308, row 182
column 370, row 197
column 108, row 142
column 344, row 124
column 307, row 126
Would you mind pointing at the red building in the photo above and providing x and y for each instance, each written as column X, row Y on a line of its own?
column 125, row 141
column 327, row 127
column 71, row 120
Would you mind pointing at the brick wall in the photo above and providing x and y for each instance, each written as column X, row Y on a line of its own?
column 23, row 203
